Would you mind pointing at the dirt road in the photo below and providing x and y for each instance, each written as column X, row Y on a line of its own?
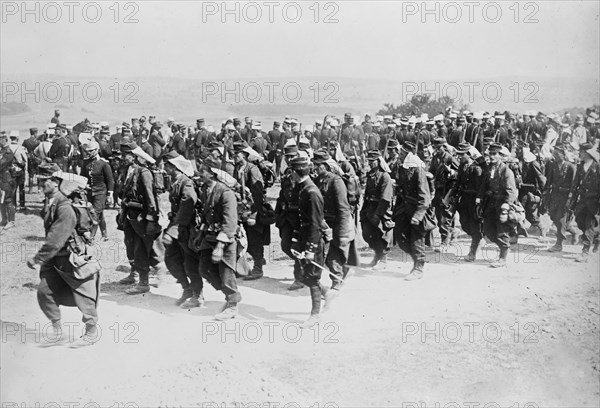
column 466, row 334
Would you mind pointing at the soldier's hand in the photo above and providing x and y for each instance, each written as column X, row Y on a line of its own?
column 414, row 221
column 217, row 253
column 309, row 256
column 167, row 239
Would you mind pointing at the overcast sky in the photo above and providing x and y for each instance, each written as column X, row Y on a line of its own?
column 371, row 39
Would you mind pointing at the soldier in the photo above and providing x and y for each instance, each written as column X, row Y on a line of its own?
column 557, row 193
column 338, row 216
column 470, row 177
column 498, row 192
column 276, row 152
column 530, row 190
column 258, row 142
column 156, row 140
column 457, row 136
column 444, row 169
column 7, row 184
column 218, row 248
column 412, row 202
column 286, row 214
column 375, row 214
column 586, row 198
column 61, row 147
column 55, row 119
column 181, row 260
column 101, row 184
column 19, row 168
column 249, row 175
column 139, row 215
column 580, row 133
column 58, row 285
column 32, row 162
column 308, row 240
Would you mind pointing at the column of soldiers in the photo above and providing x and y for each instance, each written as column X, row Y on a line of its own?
column 397, row 177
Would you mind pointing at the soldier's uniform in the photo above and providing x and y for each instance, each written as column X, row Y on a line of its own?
column 532, row 185
column 443, row 167
column 412, row 201
column 287, row 217
column 586, row 193
column 7, row 184
column 32, row 164
column 101, row 183
column 59, row 152
column 157, row 141
column 560, row 181
column 218, row 247
column 375, row 214
column 181, row 260
column 19, row 170
column 469, row 179
column 498, row 192
column 338, row 216
column 139, row 216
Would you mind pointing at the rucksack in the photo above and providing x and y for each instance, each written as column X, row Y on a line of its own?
column 268, row 174
column 352, row 183
column 87, row 218
column 160, row 180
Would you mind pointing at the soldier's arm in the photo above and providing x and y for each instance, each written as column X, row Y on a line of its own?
column 314, row 213
column 147, row 190
column 6, row 158
column 510, row 186
column 386, row 189
column 256, row 188
column 54, row 149
column 539, row 176
column 185, row 214
column 58, row 234
column 423, row 194
column 230, row 220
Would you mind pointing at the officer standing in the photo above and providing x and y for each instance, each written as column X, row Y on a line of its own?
column 19, row 168
column 101, row 185
column 30, row 145
column 7, row 184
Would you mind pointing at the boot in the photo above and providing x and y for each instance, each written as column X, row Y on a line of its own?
column 229, row 312
column 257, row 271
column 187, row 293
column 132, row 279
column 197, row 300
column 501, row 263
column 376, row 259
column 315, row 295
column 416, row 272
column 583, row 258
column 296, row 285
column 596, row 245
column 329, row 295
column 557, row 247
column 142, row 287
column 472, row 252
column 89, row 337
column 56, row 336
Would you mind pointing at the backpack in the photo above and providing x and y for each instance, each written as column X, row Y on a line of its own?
column 86, row 220
column 352, row 183
column 160, row 180
column 268, row 174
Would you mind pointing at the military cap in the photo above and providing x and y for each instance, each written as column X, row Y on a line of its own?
column 291, row 150
column 200, row 120
column 438, row 118
column 157, row 124
column 453, row 116
column 33, row 130
column 488, row 140
column 236, row 122
column 334, row 123
column 347, row 115
column 61, row 126
column 128, row 147
column 14, row 134
column 495, row 147
column 299, row 162
column 392, row 144
column 142, row 118
column 463, row 147
column 438, row 141
column 125, row 130
column 430, row 122
column 461, row 119
column 409, row 147
column 373, row 154
column 256, row 125
column 46, row 170
column 486, row 115
column 276, row 124
column 105, row 132
column 321, row 156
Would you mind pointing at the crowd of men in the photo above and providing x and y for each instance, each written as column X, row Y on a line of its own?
column 394, row 179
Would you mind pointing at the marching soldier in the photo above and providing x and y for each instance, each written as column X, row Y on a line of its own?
column 470, row 177
column 338, row 216
column 498, row 192
column 139, row 215
column 375, row 214
column 58, row 284
column 412, row 201
column 586, row 198
column 101, row 185
column 530, row 191
column 218, row 247
column 308, row 240
column 249, row 175
column 180, row 259
column 286, row 214
column 557, row 193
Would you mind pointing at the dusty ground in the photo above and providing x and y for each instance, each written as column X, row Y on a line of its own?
column 526, row 336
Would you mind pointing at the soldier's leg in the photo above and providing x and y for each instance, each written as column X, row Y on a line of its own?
column 98, row 202
column 583, row 220
column 256, row 250
column 417, row 251
column 173, row 256
column 129, row 240
column 49, row 290
column 142, row 248
column 335, row 261
column 285, row 233
column 228, row 286
column 191, row 263
column 21, row 186
column 88, row 308
column 209, row 270
column 444, row 217
column 4, row 214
